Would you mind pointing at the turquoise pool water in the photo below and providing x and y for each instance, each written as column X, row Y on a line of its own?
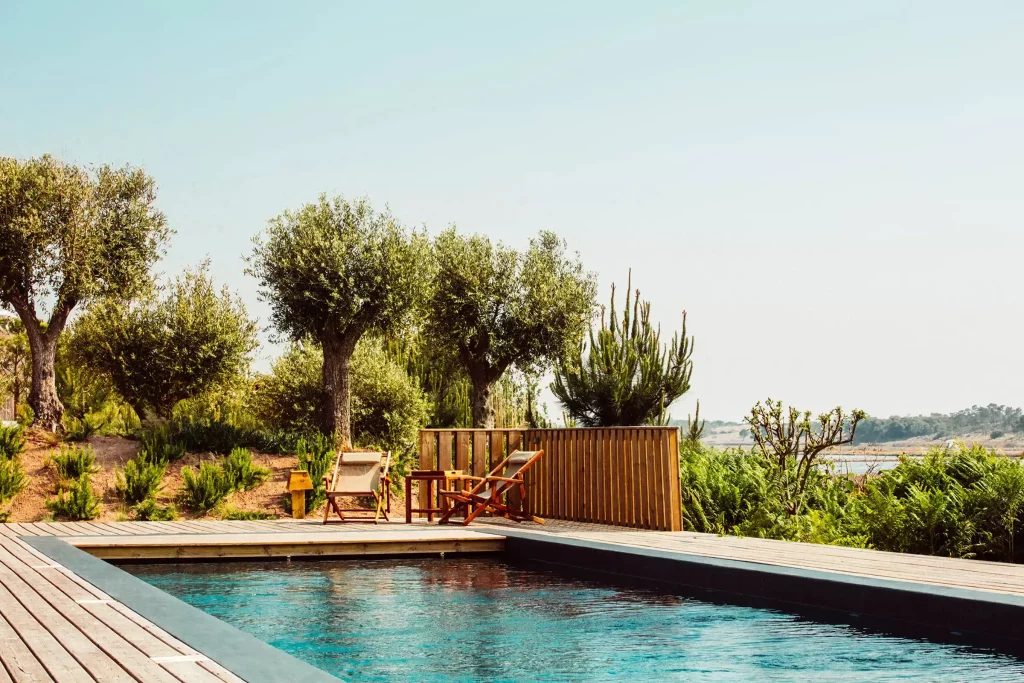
column 483, row 620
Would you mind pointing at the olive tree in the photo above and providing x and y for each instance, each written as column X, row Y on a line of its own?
column 495, row 307
column 69, row 235
column 169, row 345
column 335, row 270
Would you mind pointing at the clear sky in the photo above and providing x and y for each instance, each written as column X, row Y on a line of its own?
column 832, row 190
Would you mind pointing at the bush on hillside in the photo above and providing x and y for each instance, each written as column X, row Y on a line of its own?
column 73, row 462
column 158, row 448
column 149, row 511
column 205, row 490
column 138, row 481
column 77, row 502
column 12, row 479
column 12, row 442
column 242, row 473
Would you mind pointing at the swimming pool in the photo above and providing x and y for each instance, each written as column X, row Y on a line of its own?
column 476, row 619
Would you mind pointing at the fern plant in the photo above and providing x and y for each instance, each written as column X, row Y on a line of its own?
column 77, row 502
column 204, row 490
column 72, row 462
column 138, row 481
column 242, row 472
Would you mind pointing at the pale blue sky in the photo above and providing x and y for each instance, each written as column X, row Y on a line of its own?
column 821, row 185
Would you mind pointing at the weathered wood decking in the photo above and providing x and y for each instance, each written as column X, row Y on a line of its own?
column 55, row 626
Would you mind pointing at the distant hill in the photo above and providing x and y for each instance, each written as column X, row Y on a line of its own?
column 994, row 425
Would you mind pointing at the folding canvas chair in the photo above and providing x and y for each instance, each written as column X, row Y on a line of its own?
column 486, row 495
column 359, row 475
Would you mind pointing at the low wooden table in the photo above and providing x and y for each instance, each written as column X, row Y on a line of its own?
column 442, row 477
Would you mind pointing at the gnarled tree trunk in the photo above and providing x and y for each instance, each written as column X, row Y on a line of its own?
column 337, row 377
column 483, row 379
column 46, row 406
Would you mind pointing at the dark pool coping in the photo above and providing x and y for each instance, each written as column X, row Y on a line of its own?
column 953, row 614
column 244, row 655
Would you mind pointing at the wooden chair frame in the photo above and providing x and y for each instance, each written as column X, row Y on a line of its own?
column 473, row 504
column 382, row 498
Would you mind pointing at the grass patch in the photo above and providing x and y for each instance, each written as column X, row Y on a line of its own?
column 12, row 442
column 149, row 511
column 246, row 515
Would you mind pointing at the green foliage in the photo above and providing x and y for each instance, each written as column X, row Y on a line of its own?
column 213, row 435
column 15, row 360
column 205, row 490
column 157, row 447
column 965, row 502
column 493, row 307
column 76, row 429
column 12, row 478
column 160, row 350
column 70, row 235
column 334, row 270
column 77, row 501
column 992, row 418
column 74, row 462
column 12, row 442
column 316, row 456
column 625, row 376
column 790, row 443
column 246, row 515
column 242, row 473
column 388, row 407
column 292, row 394
column 139, row 480
column 149, row 511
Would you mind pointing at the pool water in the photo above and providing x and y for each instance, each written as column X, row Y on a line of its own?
column 483, row 620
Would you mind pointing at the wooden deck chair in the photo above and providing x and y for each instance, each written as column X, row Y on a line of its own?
column 359, row 475
column 486, row 495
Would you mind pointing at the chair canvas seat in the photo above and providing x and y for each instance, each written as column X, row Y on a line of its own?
column 486, row 495
column 359, row 475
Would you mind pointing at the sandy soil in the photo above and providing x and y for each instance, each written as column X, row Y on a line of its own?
column 112, row 452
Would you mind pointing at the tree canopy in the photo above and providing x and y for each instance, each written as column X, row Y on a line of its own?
column 625, row 376
column 335, row 270
column 495, row 307
column 170, row 345
column 70, row 235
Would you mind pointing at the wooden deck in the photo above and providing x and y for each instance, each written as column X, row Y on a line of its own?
column 55, row 626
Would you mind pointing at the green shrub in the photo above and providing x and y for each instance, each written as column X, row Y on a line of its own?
column 12, row 478
column 138, row 481
column 212, row 435
column 148, row 511
column 158, row 448
column 76, row 502
column 246, row 515
column 72, row 462
column 80, row 429
column 242, row 472
column 12, row 442
column 316, row 456
column 203, row 491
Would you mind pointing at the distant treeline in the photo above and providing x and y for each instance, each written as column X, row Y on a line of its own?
column 995, row 420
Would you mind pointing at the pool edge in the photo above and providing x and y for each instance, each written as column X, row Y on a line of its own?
column 244, row 655
column 957, row 615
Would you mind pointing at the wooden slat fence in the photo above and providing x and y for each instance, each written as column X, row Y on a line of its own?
column 621, row 476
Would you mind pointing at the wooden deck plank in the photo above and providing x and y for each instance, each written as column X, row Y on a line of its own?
column 18, row 659
column 60, row 664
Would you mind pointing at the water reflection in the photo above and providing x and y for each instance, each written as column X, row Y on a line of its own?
column 482, row 620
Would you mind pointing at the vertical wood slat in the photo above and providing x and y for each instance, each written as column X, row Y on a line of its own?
column 479, row 454
column 428, row 442
column 444, row 450
column 515, row 441
column 462, row 451
column 618, row 475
